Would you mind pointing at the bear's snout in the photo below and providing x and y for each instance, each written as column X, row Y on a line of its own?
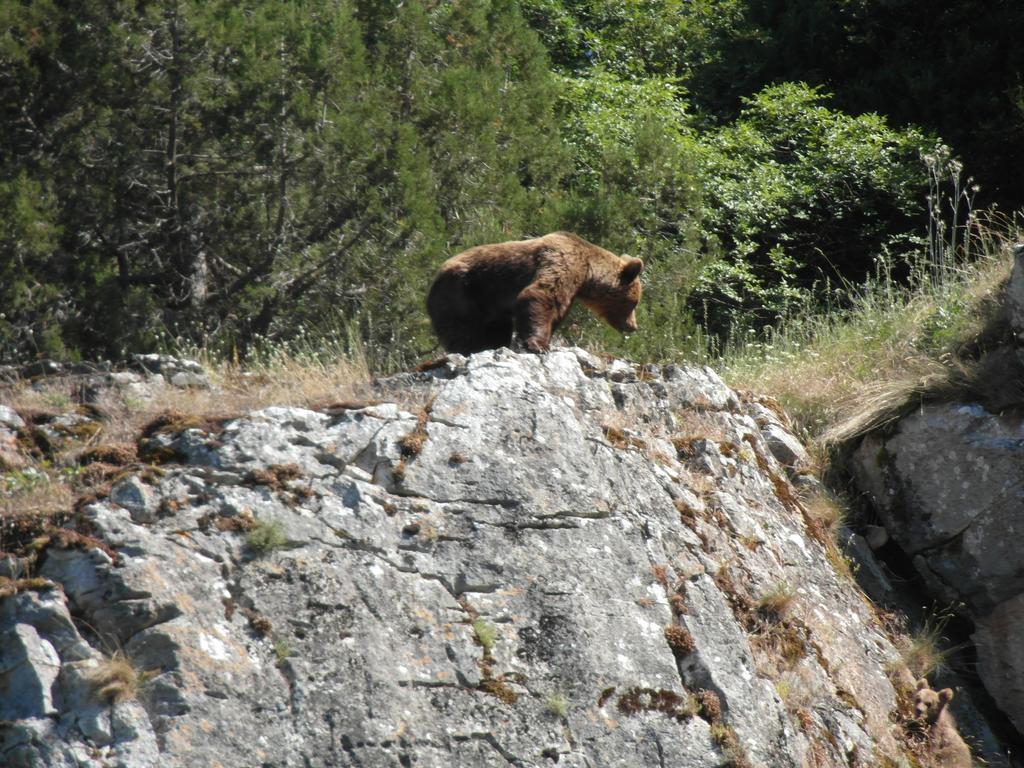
column 629, row 324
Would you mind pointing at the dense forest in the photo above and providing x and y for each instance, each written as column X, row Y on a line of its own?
column 227, row 174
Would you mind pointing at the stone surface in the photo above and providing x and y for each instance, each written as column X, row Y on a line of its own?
column 1014, row 299
column 949, row 486
column 28, row 671
column 724, row 663
column 9, row 418
column 948, row 483
column 485, row 578
column 785, row 447
column 1001, row 656
column 135, row 496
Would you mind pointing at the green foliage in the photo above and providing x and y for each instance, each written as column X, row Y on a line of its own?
column 217, row 173
column 282, row 650
column 31, row 313
column 952, row 68
column 635, row 39
column 485, row 634
column 635, row 189
column 233, row 176
column 799, row 193
column 266, row 536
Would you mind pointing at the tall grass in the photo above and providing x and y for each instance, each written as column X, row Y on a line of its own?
column 302, row 372
column 890, row 338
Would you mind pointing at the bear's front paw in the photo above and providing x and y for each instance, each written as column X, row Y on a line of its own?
column 537, row 346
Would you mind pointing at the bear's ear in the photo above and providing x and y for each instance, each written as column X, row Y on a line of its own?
column 922, row 684
column 629, row 272
column 946, row 695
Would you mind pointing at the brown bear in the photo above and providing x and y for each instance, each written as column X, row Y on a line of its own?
column 480, row 296
column 946, row 748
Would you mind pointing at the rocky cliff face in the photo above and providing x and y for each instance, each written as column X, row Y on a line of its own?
column 947, row 481
column 506, row 560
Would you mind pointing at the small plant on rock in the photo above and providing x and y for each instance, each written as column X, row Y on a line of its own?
column 725, row 737
column 679, row 640
column 557, row 705
column 485, row 634
column 412, row 444
column 777, row 601
column 282, row 650
column 115, row 680
column 266, row 536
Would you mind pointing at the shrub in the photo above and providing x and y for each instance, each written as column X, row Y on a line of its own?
column 266, row 536
column 799, row 194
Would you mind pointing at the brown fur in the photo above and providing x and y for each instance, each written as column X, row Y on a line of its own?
column 482, row 295
column 947, row 748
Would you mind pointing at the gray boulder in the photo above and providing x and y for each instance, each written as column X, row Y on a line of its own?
column 949, row 486
column 948, row 483
column 519, row 561
column 1014, row 299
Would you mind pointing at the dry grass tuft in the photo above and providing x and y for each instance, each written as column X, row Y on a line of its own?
column 277, row 378
column 9, row 587
column 845, row 569
column 117, row 454
column 556, row 704
column 922, row 651
column 116, row 680
column 275, row 476
column 710, row 706
column 46, row 499
column 412, row 444
column 499, row 689
column 825, row 515
column 727, row 740
column 621, row 438
column 303, row 378
column 880, row 403
column 801, row 691
column 638, row 700
column 776, row 603
column 743, row 607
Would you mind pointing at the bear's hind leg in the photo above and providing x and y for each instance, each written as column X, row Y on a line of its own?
column 464, row 340
column 498, row 333
column 468, row 334
column 454, row 317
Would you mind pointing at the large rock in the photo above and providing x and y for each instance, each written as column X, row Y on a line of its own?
column 949, row 486
column 481, row 573
column 1014, row 300
column 948, row 483
column 1001, row 656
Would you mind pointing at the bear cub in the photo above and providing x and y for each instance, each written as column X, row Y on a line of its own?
column 947, row 748
column 483, row 295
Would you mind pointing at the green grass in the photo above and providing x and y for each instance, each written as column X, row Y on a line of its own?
column 557, row 705
column 842, row 371
column 266, row 536
column 486, row 634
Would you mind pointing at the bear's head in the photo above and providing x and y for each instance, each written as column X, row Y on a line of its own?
column 615, row 297
column 928, row 704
